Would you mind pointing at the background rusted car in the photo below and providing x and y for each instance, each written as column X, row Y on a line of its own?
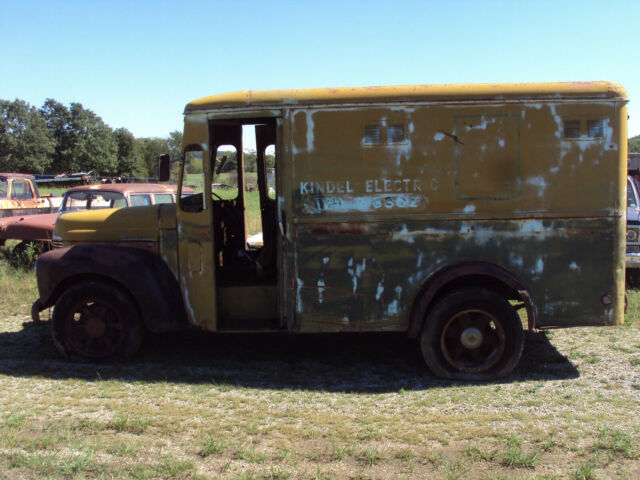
column 39, row 228
column 19, row 195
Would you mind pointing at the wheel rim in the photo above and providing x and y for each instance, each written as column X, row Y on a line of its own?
column 472, row 341
column 94, row 328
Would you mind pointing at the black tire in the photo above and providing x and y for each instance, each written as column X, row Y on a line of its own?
column 472, row 334
column 96, row 322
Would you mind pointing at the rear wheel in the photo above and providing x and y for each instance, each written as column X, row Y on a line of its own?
column 472, row 334
column 95, row 321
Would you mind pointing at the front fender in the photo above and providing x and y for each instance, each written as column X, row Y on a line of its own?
column 140, row 273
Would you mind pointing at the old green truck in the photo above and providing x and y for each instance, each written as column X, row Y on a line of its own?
column 439, row 211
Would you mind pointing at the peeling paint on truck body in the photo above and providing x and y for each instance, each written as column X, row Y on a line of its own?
column 388, row 198
column 382, row 177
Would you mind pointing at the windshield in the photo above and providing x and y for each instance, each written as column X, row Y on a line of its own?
column 89, row 200
column 3, row 188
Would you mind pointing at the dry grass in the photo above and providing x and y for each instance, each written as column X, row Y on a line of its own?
column 315, row 407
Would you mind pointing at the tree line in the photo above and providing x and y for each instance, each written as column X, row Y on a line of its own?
column 55, row 138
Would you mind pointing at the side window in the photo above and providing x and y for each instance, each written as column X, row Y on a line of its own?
column 162, row 198
column 380, row 134
column 575, row 129
column 225, row 173
column 193, row 177
column 20, row 190
column 372, row 135
column 140, row 199
column 3, row 189
column 571, row 128
column 595, row 128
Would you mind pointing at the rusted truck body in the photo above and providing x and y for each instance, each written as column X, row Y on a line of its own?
column 438, row 211
column 19, row 195
column 39, row 228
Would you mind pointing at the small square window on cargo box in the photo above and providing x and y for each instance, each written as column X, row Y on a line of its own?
column 571, row 128
column 595, row 128
column 372, row 134
column 395, row 134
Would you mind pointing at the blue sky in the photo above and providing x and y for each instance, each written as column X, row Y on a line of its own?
column 137, row 63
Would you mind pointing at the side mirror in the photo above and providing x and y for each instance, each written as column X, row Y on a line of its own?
column 164, row 167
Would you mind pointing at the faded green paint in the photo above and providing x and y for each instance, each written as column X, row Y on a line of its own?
column 372, row 280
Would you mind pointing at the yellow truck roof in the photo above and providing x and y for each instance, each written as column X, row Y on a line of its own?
column 406, row 93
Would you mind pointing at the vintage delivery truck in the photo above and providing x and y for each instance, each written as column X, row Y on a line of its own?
column 439, row 211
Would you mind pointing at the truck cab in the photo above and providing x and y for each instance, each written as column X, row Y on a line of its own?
column 19, row 195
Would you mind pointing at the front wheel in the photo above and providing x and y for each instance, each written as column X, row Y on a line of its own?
column 95, row 321
column 472, row 334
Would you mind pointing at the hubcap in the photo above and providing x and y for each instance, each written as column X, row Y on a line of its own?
column 471, row 338
column 95, row 327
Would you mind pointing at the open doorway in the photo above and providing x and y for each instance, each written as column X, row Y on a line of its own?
column 244, row 206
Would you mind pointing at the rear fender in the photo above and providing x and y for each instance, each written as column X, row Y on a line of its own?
column 481, row 274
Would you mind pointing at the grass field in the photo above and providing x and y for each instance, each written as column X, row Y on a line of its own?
column 313, row 407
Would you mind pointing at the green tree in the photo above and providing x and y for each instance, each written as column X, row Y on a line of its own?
column 250, row 158
column 58, row 120
column 150, row 148
column 130, row 161
column 94, row 147
column 174, row 143
column 83, row 141
column 229, row 164
column 634, row 144
column 26, row 145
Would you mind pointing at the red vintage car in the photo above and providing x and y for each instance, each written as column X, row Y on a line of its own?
column 39, row 228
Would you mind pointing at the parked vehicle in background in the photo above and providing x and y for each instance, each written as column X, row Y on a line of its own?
column 438, row 211
column 633, row 219
column 19, row 195
column 39, row 228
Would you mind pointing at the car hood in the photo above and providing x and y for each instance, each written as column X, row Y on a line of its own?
column 131, row 224
column 28, row 227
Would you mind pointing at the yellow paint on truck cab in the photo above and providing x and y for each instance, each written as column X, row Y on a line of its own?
column 136, row 224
